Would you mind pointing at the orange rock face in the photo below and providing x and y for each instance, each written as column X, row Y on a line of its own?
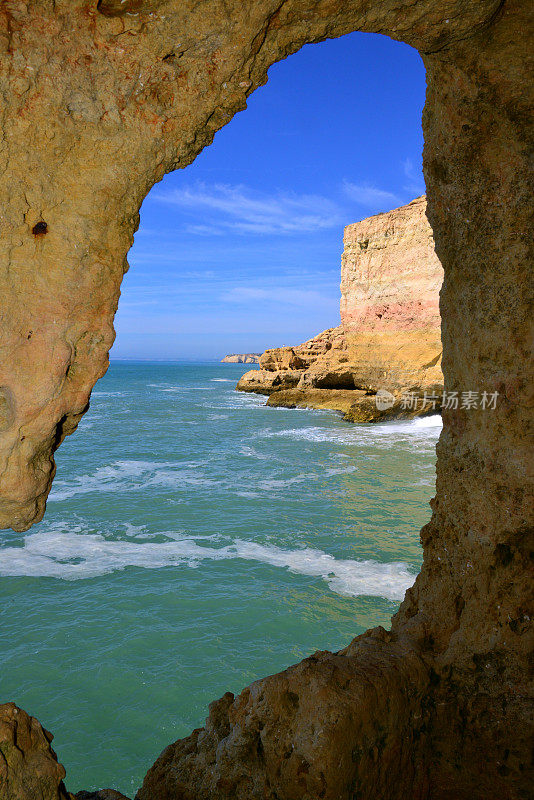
column 390, row 282
column 98, row 101
column 28, row 766
column 390, row 273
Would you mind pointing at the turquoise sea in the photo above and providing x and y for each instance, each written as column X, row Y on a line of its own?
column 196, row 540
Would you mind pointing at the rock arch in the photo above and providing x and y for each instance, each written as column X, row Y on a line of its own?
column 99, row 101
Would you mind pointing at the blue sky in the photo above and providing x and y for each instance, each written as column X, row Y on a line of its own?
column 241, row 250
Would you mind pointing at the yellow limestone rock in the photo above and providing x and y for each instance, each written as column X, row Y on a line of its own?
column 390, row 333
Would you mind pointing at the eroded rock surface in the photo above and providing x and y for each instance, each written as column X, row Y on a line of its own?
column 354, row 405
column 390, row 283
column 284, row 367
column 324, row 728
column 29, row 769
column 95, row 106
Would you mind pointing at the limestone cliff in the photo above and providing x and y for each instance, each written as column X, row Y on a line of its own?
column 98, row 101
column 390, row 283
column 389, row 338
column 241, row 358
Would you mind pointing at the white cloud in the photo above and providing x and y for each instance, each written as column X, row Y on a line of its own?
column 237, row 208
column 280, row 295
column 370, row 196
column 204, row 230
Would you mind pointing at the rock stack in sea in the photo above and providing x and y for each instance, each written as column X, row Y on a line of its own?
column 388, row 346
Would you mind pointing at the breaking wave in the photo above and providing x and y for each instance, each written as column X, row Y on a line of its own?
column 123, row 476
column 67, row 553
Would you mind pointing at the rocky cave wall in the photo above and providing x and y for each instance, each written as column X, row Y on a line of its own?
column 97, row 104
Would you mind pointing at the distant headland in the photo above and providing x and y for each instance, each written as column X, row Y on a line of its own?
column 241, row 358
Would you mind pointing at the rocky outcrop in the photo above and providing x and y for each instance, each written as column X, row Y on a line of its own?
column 303, row 355
column 284, row 367
column 241, row 358
column 341, row 400
column 353, row 404
column 278, row 738
column 98, row 101
column 262, row 381
column 389, row 338
column 29, row 769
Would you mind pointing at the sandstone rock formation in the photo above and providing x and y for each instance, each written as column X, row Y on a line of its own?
column 389, row 338
column 390, row 282
column 353, row 404
column 28, row 767
column 98, row 101
column 304, row 355
column 284, row 367
column 241, row 358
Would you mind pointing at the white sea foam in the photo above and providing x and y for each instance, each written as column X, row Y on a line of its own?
column 168, row 387
column 67, row 553
column 222, row 380
column 425, row 430
column 433, row 423
column 187, row 389
column 127, row 476
column 250, row 452
column 331, row 471
column 276, row 484
column 234, row 400
column 133, row 476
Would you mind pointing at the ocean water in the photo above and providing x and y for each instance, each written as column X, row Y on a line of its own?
column 196, row 540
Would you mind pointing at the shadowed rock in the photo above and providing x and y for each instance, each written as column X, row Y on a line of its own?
column 29, row 769
column 119, row 8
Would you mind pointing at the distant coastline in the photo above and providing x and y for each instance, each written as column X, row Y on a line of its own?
column 241, row 358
